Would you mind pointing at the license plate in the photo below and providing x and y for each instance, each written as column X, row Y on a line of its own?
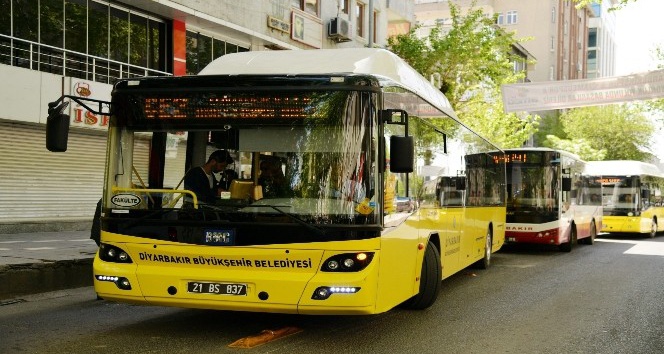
column 217, row 288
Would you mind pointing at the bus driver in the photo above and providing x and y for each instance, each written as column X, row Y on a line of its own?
column 201, row 180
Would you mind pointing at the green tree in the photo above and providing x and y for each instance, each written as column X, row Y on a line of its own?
column 619, row 132
column 580, row 147
column 473, row 59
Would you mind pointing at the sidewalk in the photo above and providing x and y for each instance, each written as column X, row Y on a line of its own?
column 44, row 261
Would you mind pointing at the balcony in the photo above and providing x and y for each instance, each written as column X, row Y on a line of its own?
column 35, row 56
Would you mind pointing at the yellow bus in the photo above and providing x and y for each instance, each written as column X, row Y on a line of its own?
column 362, row 144
column 631, row 196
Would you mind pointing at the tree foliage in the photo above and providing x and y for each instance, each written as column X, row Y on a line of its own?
column 473, row 59
column 619, row 132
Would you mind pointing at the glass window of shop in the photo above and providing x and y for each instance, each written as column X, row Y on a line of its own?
column 94, row 33
column 308, row 6
column 202, row 49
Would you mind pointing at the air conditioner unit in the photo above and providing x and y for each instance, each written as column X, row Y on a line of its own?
column 339, row 30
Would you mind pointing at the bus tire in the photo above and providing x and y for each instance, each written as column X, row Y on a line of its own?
column 653, row 228
column 567, row 246
column 485, row 262
column 590, row 240
column 430, row 280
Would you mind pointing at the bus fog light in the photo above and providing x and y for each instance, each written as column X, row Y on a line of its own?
column 123, row 283
column 333, row 265
column 324, row 292
column 123, row 256
column 321, row 293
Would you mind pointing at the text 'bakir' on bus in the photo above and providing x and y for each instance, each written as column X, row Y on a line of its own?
column 375, row 191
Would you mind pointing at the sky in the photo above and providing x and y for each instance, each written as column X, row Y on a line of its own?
column 639, row 28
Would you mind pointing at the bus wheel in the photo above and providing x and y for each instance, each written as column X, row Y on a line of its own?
column 430, row 281
column 590, row 240
column 567, row 246
column 485, row 262
column 653, row 228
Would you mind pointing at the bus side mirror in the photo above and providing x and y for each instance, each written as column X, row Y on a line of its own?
column 567, row 184
column 645, row 194
column 57, row 128
column 402, row 154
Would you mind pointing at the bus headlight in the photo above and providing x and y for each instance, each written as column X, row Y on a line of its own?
column 113, row 254
column 347, row 262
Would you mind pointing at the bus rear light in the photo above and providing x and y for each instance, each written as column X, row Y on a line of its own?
column 324, row 292
column 121, row 282
column 113, row 254
column 347, row 262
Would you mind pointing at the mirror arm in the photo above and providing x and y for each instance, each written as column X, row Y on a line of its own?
column 58, row 107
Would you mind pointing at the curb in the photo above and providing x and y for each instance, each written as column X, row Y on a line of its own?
column 26, row 279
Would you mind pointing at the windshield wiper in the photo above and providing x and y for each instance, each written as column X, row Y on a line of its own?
column 319, row 231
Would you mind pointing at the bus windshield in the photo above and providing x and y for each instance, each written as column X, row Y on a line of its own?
column 532, row 187
column 301, row 161
column 620, row 195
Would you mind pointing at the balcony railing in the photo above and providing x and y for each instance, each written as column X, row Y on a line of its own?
column 31, row 55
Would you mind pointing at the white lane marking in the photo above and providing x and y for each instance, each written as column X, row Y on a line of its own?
column 644, row 248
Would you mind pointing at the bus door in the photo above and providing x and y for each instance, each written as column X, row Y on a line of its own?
column 451, row 203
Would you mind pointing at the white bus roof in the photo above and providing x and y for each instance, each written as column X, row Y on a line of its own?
column 621, row 168
column 386, row 66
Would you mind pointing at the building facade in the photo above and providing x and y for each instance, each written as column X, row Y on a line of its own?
column 49, row 48
column 601, row 58
column 557, row 30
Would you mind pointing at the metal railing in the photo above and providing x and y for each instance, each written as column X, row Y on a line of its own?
column 36, row 56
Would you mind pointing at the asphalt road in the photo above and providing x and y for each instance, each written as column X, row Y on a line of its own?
column 604, row 298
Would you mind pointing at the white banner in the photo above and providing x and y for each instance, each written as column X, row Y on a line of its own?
column 540, row 96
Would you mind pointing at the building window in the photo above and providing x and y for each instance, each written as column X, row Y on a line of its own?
column 511, row 17
column 77, row 37
column 553, row 43
column 592, row 37
column 500, row 19
column 553, row 14
column 308, row 6
column 359, row 17
column 591, row 64
column 345, row 6
column 551, row 73
column 375, row 26
column 202, row 50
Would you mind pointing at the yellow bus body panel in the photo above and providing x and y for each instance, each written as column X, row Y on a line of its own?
column 634, row 224
column 287, row 275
